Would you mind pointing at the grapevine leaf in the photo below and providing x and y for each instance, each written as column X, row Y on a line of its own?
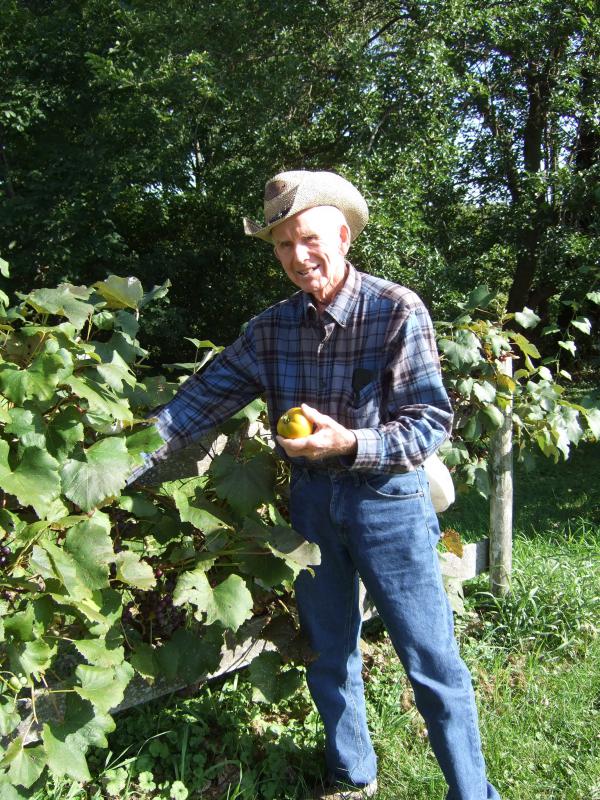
column 104, row 687
column 49, row 370
column 99, row 398
column 455, row 454
column 139, row 505
column 64, row 567
column 499, row 344
column 84, row 725
column 232, row 603
column 482, row 479
column 8, row 791
column 465, row 386
column 153, row 391
column 39, row 380
column 30, row 657
column 90, row 545
column 592, row 416
column 594, row 297
column 292, row 548
column 506, row 383
column 480, row 297
column 144, row 441
column 20, row 625
column 27, row 426
column 472, row 430
column 582, row 324
column 493, row 417
column 463, row 350
column 524, row 345
column 143, row 660
column 26, row 764
column 200, row 511
column 65, row 755
column 104, row 321
column 9, row 717
column 268, row 569
column 270, row 683
column 155, row 293
column 134, row 572
column 14, row 383
column 63, row 302
column 193, row 587
column 527, row 318
column 109, row 605
column 452, row 542
column 263, row 673
column 229, row 603
column 569, row 345
column 99, row 475
column 35, row 481
column 188, row 656
column 98, row 652
column 128, row 348
column 121, row 292
column 64, row 432
column 4, row 270
column 253, row 410
column 484, row 391
column 116, row 372
column 565, row 428
column 127, row 322
column 244, row 485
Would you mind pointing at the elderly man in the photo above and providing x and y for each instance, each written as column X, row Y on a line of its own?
column 358, row 353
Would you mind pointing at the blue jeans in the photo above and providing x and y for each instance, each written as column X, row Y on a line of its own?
column 383, row 528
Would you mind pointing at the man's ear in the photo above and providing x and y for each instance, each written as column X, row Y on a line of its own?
column 345, row 239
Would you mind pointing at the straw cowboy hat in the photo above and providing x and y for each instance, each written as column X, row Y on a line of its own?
column 290, row 192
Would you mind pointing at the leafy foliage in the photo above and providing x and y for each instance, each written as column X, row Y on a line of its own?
column 99, row 580
column 471, row 128
column 545, row 418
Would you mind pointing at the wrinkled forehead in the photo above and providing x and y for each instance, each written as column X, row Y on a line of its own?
column 322, row 220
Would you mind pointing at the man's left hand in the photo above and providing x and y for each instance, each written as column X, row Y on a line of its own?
column 329, row 438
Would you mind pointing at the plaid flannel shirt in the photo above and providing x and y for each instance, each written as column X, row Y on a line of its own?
column 370, row 362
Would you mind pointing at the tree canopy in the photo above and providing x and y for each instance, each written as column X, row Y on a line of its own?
column 135, row 135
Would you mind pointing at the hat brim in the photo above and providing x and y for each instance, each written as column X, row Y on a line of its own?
column 317, row 189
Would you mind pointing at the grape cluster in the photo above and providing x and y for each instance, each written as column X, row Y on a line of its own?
column 153, row 614
column 5, row 553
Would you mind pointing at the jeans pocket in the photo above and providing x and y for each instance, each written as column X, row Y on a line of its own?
column 395, row 486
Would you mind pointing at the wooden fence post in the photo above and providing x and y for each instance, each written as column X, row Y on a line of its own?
column 501, row 500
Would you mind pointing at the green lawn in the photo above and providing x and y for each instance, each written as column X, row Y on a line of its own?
column 535, row 660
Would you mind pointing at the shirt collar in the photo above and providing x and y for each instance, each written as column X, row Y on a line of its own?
column 343, row 303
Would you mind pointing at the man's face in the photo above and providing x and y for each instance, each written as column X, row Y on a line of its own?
column 311, row 247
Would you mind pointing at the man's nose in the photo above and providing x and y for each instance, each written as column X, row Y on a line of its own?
column 300, row 253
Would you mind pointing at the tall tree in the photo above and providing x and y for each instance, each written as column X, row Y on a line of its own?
column 134, row 136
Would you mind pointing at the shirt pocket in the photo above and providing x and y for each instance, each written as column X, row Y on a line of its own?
column 363, row 410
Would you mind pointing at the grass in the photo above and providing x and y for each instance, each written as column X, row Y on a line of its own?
column 534, row 657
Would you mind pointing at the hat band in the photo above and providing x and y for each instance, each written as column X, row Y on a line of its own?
column 283, row 213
